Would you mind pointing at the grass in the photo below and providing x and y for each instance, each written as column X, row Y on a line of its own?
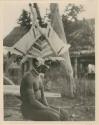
column 57, row 78
column 80, row 108
column 76, row 109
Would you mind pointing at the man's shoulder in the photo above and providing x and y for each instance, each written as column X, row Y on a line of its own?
column 27, row 75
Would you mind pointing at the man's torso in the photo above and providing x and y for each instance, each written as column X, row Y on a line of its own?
column 36, row 82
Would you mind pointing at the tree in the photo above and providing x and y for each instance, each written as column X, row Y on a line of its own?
column 56, row 22
column 89, row 31
column 79, row 33
column 70, row 18
column 82, row 35
column 71, row 11
column 24, row 19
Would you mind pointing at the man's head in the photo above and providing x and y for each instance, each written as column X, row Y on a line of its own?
column 39, row 65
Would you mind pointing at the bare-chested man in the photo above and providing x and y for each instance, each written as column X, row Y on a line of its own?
column 34, row 104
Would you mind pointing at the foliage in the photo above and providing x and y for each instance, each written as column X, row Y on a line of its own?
column 79, row 33
column 24, row 19
column 83, row 37
column 72, row 11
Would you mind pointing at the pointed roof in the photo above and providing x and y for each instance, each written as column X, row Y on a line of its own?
column 40, row 41
column 14, row 36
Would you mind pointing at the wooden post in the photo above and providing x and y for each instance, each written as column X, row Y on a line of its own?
column 75, row 68
column 31, row 65
column 81, row 69
column 57, row 25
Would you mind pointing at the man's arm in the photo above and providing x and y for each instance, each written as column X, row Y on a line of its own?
column 30, row 94
column 44, row 100
column 35, row 103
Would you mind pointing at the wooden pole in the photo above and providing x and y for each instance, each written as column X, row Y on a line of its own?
column 57, row 25
column 75, row 67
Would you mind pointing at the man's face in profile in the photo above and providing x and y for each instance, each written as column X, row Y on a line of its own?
column 40, row 65
column 43, row 68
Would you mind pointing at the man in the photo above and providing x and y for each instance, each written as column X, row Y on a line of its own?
column 34, row 104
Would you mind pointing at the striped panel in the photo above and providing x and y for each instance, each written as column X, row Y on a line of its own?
column 37, row 46
column 34, row 51
column 48, row 53
column 44, row 45
column 47, row 48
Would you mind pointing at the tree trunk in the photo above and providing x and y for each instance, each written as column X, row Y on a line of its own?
column 56, row 22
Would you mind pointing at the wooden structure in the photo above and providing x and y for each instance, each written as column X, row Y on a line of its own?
column 80, row 61
column 36, row 42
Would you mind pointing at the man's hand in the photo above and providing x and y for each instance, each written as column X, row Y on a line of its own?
column 63, row 115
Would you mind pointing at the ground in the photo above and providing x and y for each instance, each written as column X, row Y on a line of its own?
column 77, row 109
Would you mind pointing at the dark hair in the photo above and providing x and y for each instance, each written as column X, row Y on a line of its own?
column 34, row 62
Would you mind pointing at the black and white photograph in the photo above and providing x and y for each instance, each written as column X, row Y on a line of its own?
column 49, row 61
